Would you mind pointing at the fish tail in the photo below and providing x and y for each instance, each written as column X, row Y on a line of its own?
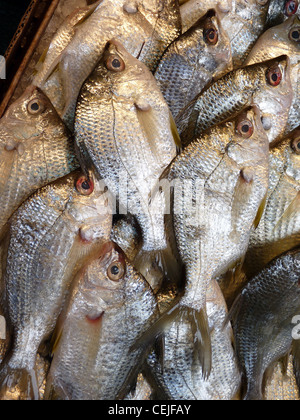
column 158, row 266
column 202, row 340
column 18, row 384
column 254, row 392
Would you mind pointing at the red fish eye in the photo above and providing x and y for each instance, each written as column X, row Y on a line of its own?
column 274, row 76
column 211, row 36
column 84, row 186
column 294, row 34
column 245, row 128
column 115, row 63
column 291, row 7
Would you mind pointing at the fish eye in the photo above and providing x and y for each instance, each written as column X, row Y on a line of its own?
column 210, row 32
column 296, row 145
column 294, row 35
column 245, row 128
column 274, row 76
column 115, row 63
column 116, row 271
column 84, row 186
column 291, row 7
column 35, row 107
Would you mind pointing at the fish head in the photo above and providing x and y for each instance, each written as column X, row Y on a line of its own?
column 249, row 143
column 29, row 117
column 125, row 76
column 32, row 134
column 85, row 204
column 213, row 45
column 283, row 39
column 107, row 275
column 275, row 96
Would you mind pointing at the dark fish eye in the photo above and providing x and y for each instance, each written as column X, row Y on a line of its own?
column 294, row 35
column 274, row 76
column 245, row 128
column 35, row 107
column 84, row 186
column 115, row 63
column 291, row 7
column 211, row 36
column 116, row 271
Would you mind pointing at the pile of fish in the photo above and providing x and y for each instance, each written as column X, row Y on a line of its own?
column 150, row 194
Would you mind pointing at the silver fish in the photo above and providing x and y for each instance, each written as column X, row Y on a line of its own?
column 219, row 181
column 51, row 237
column 279, row 228
column 192, row 61
column 145, row 27
column 267, row 85
column 262, row 319
column 110, row 307
column 180, row 377
column 131, row 143
column 283, row 39
column 36, row 148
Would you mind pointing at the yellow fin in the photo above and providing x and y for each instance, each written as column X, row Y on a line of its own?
column 260, row 212
column 175, row 133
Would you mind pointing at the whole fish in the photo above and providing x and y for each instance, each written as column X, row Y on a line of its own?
column 36, row 148
column 145, row 27
column 279, row 227
column 244, row 24
column 110, row 306
column 51, row 236
column 60, row 41
column 193, row 10
column 282, row 39
column 280, row 10
column 181, row 378
column 281, row 384
column 262, row 320
column 219, row 182
column 192, row 61
column 267, row 85
column 125, row 129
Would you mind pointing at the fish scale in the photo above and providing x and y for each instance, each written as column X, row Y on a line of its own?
column 48, row 244
column 262, row 319
column 127, row 306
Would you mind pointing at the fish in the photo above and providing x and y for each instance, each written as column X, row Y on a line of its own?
column 110, row 306
column 36, row 149
column 192, row 61
column 281, row 384
column 193, row 10
column 262, row 318
column 51, row 235
column 145, row 27
column 127, row 235
column 130, row 142
column 280, row 10
column 219, row 183
column 244, row 24
column 267, row 85
column 180, row 377
column 282, row 39
column 279, row 228
column 59, row 42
